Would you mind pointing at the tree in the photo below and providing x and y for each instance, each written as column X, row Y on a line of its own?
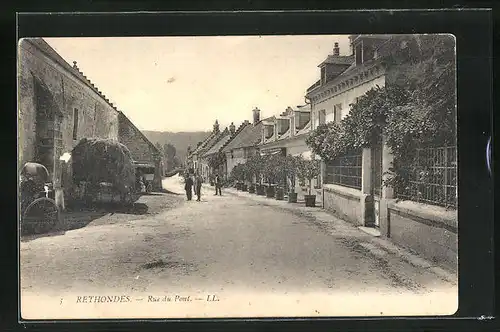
column 308, row 170
column 169, row 153
column 237, row 173
column 254, row 166
column 291, row 164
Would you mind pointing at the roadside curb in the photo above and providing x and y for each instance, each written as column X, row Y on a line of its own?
column 378, row 246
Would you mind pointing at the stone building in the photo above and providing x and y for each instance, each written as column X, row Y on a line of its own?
column 343, row 79
column 196, row 157
column 57, row 106
column 217, row 149
column 146, row 155
column 353, row 184
column 286, row 134
column 245, row 142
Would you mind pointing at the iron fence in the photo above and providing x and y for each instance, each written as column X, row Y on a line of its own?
column 432, row 177
column 345, row 171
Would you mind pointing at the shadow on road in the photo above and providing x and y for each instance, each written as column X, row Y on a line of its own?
column 78, row 216
column 165, row 191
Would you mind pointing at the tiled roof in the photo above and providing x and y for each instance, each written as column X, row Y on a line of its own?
column 249, row 136
column 219, row 144
column 339, row 60
column 203, row 143
column 212, row 140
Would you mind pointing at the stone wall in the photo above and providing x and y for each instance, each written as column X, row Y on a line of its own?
column 431, row 231
column 344, row 202
column 97, row 118
column 140, row 147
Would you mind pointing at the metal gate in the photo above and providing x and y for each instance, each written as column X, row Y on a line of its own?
column 376, row 177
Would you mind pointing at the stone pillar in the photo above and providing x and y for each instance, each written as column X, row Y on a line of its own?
column 366, row 171
column 323, row 173
column 366, row 199
column 387, row 192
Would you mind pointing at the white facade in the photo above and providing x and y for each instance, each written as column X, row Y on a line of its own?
column 342, row 99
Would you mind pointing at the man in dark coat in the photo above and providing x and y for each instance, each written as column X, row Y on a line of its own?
column 218, row 185
column 197, row 186
column 188, row 186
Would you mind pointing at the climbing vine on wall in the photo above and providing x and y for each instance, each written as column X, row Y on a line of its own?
column 416, row 111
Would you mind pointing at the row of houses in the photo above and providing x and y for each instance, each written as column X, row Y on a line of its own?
column 58, row 106
column 352, row 186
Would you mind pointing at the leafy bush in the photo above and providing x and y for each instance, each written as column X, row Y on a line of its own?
column 308, row 170
column 416, row 111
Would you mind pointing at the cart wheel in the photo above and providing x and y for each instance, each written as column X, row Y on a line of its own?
column 40, row 216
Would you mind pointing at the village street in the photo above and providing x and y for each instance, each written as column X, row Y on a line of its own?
column 229, row 246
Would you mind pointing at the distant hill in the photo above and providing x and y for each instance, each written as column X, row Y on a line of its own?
column 180, row 140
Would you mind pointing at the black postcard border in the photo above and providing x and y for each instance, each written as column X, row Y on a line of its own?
column 473, row 31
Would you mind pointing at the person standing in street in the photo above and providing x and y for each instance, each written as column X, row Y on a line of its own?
column 218, row 185
column 197, row 185
column 188, row 186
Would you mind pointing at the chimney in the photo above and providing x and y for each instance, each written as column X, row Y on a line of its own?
column 232, row 129
column 216, row 127
column 256, row 116
column 336, row 50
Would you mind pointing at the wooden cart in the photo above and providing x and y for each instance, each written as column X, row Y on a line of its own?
column 38, row 210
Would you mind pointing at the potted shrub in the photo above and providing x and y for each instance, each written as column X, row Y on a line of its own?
column 255, row 167
column 308, row 170
column 269, row 175
column 247, row 177
column 280, row 176
column 270, row 190
column 291, row 164
column 251, row 188
column 280, row 193
column 236, row 176
column 261, row 189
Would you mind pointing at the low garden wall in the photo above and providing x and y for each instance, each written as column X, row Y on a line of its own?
column 346, row 203
column 430, row 231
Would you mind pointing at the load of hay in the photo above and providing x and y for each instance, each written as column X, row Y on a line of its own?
column 98, row 160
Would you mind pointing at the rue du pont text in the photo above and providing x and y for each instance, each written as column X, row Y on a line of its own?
column 179, row 298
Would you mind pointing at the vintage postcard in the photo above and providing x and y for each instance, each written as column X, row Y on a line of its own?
column 237, row 176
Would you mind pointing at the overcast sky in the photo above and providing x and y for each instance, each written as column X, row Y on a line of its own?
column 185, row 83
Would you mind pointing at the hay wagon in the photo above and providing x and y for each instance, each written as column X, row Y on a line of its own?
column 38, row 210
column 104, row 171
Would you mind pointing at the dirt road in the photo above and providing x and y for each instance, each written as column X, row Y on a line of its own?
column 258, row 260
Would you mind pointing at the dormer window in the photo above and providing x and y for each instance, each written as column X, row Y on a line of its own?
column 323, row 75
